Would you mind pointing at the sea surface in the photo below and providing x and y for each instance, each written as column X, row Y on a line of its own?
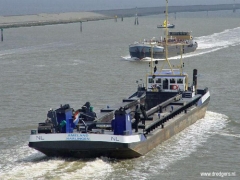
column 43, row 67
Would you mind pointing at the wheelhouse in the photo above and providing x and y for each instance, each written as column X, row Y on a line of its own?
column 180, row 35
column 167, row 82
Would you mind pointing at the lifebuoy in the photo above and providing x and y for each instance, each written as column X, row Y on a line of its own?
column 174, row 87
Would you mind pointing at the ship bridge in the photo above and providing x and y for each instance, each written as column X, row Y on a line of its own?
column 180, row 35
column 167, row 81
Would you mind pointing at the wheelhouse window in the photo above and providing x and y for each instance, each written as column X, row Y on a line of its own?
column 150, row 80
column 179, row 81
column 178, row 33
column 172, row 80
column 158, row 81
column 165, row 84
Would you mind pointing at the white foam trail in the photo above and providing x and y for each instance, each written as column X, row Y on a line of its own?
column 179, row 146
column 57, row 168
column 128, row 58
column 231, row 135
column 96, row 169
column 147, row 59
column 38, row 166
column 226, row 38
column 216, row 41
column 40, row 65
column 211, row 43
column 197, row 53
column 67, row 63
column 33, row 171
column 17, row 155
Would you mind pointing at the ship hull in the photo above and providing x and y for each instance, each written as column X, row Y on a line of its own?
column 142, row 51
column 91, row 149
column 82, row 149
column 169, row 26
column 171, row 128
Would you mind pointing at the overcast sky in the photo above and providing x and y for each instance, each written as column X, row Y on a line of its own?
column 120, row 2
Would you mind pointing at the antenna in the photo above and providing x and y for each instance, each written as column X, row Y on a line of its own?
column 181, row 63
column 151, row 57
column 166, row 40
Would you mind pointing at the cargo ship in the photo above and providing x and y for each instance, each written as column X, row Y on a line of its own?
column 169, row 107
column 156, row 48
column 162, row 106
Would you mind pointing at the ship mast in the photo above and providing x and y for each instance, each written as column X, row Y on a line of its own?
column 166, row 40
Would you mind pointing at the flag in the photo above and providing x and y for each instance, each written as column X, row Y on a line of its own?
column 76, row 117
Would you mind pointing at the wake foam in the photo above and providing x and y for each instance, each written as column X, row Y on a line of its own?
column 207, row 44
column 146, row 59
column 178, row 147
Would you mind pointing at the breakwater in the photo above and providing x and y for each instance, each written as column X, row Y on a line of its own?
column 73, row 17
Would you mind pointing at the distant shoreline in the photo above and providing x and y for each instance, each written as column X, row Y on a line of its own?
column 144, row 11
column 43, row 19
